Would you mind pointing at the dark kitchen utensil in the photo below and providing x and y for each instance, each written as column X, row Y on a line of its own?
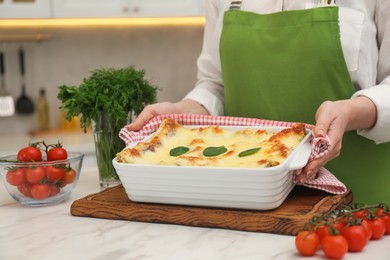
column 7, row 106
column 24, row 104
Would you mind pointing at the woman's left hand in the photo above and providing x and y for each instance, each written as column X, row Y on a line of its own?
column 331, row 120
column 334, row 118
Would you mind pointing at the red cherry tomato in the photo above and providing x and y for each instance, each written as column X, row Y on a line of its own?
column 56, row 154
column 361, row 214
column 16, row 176
column 307, row 243
column 40, row 191
column 368, row 228
column 322, row 231
column 378, row 228
column 334, row 246
column 356, row 236
column 385, row 216
column 29, row 154
column 339, row 224
column 35, row 174
column 54, row 189
column 54, row 173
column 25, row 189
column 69, row 176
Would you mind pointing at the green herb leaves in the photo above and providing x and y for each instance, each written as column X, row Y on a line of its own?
column 249, row 152
column 116, row 92
column 208, row 152
column 177, row 151
column 214, row 151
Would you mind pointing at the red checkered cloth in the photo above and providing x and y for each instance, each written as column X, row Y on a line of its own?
column 323, row 180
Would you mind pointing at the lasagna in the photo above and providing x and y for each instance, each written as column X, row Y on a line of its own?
column 214, row 146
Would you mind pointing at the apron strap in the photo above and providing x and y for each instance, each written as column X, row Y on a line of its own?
column 235, row 5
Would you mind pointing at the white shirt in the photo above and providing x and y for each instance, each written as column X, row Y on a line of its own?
column 365, row 38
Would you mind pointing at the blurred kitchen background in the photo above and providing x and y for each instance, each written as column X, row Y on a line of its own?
column 163, row 37
column 167, row 52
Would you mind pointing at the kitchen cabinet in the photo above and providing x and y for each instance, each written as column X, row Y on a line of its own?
column 99, row 8
column 149, row 8
column 126, row 8
column 25, row 9
column 89, row 8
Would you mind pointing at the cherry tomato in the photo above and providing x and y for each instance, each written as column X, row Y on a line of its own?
column 385, row 216
column 54, row 189
column 307, row 243
column 25, row 189
column 334, row 246
column 54, row 172
column 378, row 228
column 368, row 228
column 356, row 236
column 16, row 176
column 29, row 154
column 361, row 214
column 339, row 224
column 35, row 174
column 322, row 231
column 40, row 191
column 56, row 154
column 69, row 176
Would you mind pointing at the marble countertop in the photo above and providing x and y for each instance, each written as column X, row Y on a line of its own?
column 51, row 232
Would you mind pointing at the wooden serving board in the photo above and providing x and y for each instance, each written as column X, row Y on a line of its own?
column 288, row 219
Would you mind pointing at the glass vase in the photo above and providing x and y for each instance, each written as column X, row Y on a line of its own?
column 107, row 145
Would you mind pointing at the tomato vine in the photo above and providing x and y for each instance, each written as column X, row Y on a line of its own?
column 346, row 229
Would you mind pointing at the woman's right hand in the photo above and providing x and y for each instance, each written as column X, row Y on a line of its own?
column 187, row 106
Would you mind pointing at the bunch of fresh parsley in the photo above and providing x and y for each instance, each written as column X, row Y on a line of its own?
column 116, row 92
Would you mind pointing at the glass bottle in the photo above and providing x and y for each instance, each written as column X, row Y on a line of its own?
column 43, row 111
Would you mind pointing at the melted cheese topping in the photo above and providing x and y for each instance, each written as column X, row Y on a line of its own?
column 274, row 148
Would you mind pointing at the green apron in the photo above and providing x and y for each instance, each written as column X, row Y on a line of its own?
column 282, row 66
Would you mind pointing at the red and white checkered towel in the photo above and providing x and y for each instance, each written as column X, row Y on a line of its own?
column 324, row 180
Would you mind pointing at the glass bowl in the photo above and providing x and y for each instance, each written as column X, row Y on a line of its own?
column 41, row 183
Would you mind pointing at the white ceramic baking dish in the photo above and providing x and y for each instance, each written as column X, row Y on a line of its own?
column 245, row 188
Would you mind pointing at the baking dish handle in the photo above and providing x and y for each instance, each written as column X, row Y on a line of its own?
column 301, row 157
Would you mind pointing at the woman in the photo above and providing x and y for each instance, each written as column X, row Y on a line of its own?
column 294, row 61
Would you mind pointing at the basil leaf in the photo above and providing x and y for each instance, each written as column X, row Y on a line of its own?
column 178, row 151
column 214, row 151
column 249, row 152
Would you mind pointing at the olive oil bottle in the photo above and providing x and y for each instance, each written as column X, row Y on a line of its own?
column 43, row 111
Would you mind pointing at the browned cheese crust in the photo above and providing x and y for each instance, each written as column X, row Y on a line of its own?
column 272, row 148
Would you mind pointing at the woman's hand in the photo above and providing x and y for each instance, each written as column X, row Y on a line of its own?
column 334, row 119
column 331, row 120
column 184, row 106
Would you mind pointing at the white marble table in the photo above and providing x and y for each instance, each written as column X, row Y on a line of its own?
column 47, row 233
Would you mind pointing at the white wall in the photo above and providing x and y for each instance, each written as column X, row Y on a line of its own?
column 168, row 55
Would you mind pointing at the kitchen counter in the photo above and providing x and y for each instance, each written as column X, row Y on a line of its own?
column 51, row 232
